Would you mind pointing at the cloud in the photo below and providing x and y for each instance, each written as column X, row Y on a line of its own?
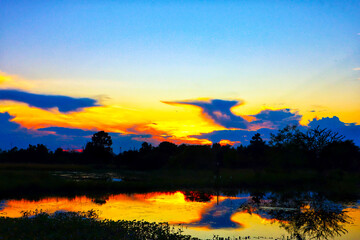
column 6, row 124
column 12, row 134
column 277, row 118
column 120, row 141
column 348, row 130
column 211, row 219
column 71, row 132
column 239, row 136
column 356, row 69
column 218, row 111
column 63, row 103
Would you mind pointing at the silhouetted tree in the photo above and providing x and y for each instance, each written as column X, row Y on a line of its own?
column 37, row 153
column 102, row 140
column 290, row 135
column 59, row 152
column 256, row 150
column 257, row 140
column 145, row 148
column 317, row 139
column 197, row 196
column 343, row 155
column 167, row 147
column 99, row 149
column 294, row 148
column 288, row 149
column 303, row 215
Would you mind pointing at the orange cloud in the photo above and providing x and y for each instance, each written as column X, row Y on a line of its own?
column 177, row 121
column 225, row 142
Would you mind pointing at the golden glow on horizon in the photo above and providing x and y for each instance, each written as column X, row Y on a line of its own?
column 165, row 121
column 113, row 119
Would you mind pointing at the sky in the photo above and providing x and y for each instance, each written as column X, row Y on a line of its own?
column 194, row 72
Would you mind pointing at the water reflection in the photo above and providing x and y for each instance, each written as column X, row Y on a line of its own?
column 197, row 196
column 296, row 215
column 303, row 215
column 219, row 216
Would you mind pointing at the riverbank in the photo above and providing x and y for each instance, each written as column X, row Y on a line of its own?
column 37, row 180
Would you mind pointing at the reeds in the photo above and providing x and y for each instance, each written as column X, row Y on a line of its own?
column 83, row 225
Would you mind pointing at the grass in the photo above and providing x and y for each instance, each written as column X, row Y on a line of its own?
column 39, row 225
column 43, row 167
column 83, row 225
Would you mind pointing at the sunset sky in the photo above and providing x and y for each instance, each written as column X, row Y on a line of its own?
column 193, row 72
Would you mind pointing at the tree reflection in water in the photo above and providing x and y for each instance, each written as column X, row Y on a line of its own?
column 303, row 215
column 197, row 196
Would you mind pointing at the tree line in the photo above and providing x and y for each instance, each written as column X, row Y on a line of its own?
column 288, row 148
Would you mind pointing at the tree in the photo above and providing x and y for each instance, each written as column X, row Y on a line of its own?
column 290, row 135
column 167, row 147
column 99, row 149
column 314, row 139
column 257, row 140
column 343, row 155
column 317, row 139
column 256, row 150
column 297, row 148
column 37, row 153
column 102, row 140
column 145, row 148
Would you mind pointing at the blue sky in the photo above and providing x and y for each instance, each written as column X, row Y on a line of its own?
column 132, row 56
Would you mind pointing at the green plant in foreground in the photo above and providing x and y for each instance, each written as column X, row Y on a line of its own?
column 82, row 225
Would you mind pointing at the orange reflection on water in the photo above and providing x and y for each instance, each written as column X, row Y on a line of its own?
column 202, row 219
column 158, row 207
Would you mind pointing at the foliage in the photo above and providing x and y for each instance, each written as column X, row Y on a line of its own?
column 99, row 149
column 102, row 140
column 288, row 149
column 304, row 215
column 82, row 225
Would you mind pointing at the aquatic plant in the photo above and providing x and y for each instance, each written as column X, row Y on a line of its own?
column 83, row 225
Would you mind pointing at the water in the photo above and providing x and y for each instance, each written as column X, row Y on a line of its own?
column 204, row 215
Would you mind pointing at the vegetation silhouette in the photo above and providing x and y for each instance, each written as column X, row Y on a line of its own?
column 197, row 196
column 83, row 225
column 288, row 149
column 99, row 149
column 303, row 215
